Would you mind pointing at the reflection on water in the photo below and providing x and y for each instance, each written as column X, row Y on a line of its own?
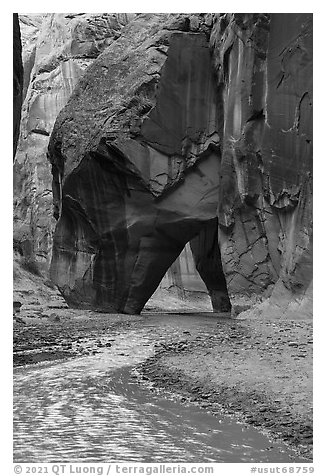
column 91, row 409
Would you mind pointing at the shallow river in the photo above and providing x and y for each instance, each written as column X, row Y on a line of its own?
column 92, row 409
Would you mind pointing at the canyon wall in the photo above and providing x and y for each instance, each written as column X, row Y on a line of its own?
column 189, row 128
column 186, row 128
column 263, row 64
column 18, row 80
column 57, row 48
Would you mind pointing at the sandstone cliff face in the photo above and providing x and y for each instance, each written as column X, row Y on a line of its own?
column 134, row 158
column 18, row 79
column 263, row 64
column 57, row 48
column 189, row 128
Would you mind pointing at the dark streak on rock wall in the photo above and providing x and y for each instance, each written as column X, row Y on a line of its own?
column 264, row 65
column 152, row 148
column 205, row 249
column 18, row 77
column 57, row 48
column 143, row 120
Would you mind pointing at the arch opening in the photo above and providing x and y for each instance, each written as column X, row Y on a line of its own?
column 195, row 281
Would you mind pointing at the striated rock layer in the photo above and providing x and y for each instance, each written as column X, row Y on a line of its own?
column 57, row 48
column 189, row 128
column 263, row 64
column 18, row 80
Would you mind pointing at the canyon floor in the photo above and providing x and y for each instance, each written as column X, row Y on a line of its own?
column 258, row 370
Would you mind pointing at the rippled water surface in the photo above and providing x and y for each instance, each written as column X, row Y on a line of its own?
column 91, row 409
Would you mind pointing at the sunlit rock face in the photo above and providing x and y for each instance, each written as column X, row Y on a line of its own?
column 18, row 79
column 263, row 64
column 57, row 48
column 189, row 128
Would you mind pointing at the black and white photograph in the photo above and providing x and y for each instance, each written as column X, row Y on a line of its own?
column 162, row 242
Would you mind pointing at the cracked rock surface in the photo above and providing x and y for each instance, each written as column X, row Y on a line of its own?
column 264, row 66
column 178, row 124
column 18, row 80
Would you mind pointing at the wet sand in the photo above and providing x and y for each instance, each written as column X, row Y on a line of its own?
column 261, row 372
column 258, row 370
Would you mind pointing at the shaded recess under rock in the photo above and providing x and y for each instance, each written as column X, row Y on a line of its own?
column 189, row 128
